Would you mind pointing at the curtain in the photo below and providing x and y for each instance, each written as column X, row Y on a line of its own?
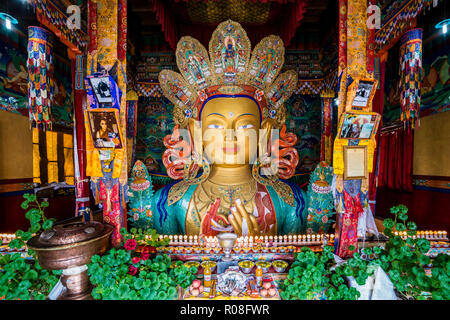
column 396, row 160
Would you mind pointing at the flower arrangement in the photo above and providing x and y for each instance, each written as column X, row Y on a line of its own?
column 20, row 278
column 126, row 274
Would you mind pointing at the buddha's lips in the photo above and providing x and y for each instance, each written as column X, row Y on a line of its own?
column 231, row 150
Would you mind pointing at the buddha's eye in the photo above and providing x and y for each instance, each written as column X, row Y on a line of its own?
column 215, row 126
column 245, row 126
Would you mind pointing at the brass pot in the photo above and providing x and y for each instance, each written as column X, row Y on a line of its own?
column 70, row 245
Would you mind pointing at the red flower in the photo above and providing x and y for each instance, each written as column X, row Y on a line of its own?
column 136, row 260
column 145, row 256
column 132, row 270
column 324, row 219
column 130, row 244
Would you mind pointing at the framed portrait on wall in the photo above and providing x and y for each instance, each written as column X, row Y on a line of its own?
column 360, row 94
column 102, row 89
column 105, row 128
column 358, row 125
column 355, row 162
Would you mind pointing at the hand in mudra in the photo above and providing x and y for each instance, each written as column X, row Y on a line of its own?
column 244, row 224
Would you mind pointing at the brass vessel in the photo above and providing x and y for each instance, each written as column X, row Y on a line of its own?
column 68, row 246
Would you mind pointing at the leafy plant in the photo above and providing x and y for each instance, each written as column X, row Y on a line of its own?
column 22, row 278
column 312, row 274
column 405, row 260
column 123, row 274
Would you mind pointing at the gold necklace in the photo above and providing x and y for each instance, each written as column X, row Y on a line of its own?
column 210, row 191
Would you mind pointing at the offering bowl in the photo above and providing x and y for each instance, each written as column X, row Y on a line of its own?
column 226, row 241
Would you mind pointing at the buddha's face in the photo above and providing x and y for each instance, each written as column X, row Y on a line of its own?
column 230, row 128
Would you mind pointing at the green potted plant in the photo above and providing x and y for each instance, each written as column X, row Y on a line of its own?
column 405, row 261
column 20, row 277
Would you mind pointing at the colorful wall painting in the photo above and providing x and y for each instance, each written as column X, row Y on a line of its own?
column 306, row 63
column 304, row 119
column 154, row 122
column 155, row 62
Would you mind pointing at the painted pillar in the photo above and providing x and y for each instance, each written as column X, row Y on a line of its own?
column 350, row 195
column 107, row 26
column 326, row 145
column 132, row 105
column 79, row 105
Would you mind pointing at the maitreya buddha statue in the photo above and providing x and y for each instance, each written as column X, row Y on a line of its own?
column 229, row 147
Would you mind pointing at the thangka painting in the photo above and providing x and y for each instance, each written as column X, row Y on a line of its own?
column 154, row 122
column 304, row 119
column 13, row 83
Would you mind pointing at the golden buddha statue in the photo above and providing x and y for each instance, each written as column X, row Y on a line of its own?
column 226, row 148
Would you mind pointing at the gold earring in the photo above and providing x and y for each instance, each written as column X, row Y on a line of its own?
column 271, row 179
column 191, row 179
column 283, row 190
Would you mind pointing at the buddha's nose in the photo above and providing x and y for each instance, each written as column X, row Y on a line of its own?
column 229, row 135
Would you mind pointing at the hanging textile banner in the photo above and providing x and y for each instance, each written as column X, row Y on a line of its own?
column 356, row 38
column 122, row 30
column 342, row 63
column 410, row 76
column 92, row 25
column 40, row 76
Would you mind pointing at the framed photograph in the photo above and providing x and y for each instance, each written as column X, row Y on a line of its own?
column 105, row 128
column 361, row 93
column 355, row 162
column 102, row 89
column 361, row 125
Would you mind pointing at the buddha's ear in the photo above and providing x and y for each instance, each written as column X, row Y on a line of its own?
column 196, row 134
column 264, row 136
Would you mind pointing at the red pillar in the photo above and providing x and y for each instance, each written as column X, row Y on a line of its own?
column 79, row 100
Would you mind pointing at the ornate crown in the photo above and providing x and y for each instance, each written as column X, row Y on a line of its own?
column 228, row 71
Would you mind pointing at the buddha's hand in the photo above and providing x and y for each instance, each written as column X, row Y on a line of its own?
column 244, row 224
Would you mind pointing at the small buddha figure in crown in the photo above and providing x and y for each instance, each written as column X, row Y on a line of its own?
column 229, row 149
